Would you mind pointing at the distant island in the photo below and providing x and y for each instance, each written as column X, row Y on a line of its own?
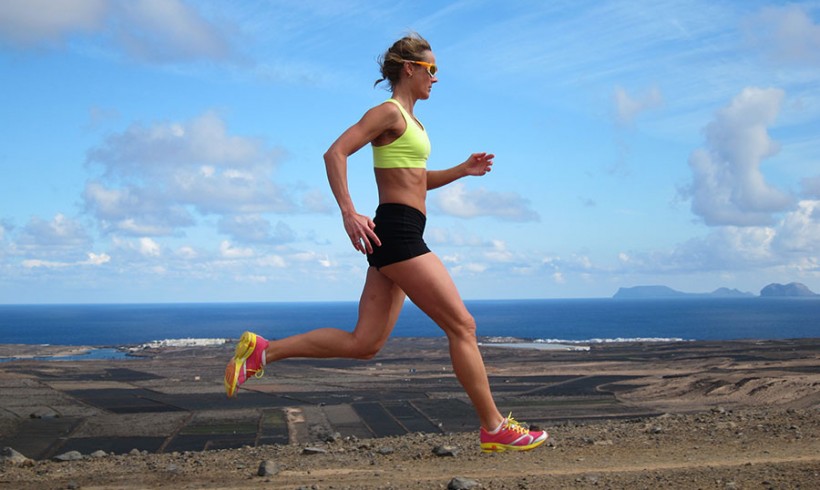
column 791, row 290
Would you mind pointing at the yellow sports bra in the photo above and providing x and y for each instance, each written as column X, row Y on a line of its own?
column 410, row 150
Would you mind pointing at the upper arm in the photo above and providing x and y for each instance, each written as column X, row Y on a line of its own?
column 374, row 123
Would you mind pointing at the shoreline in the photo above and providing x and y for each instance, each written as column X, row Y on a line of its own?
column 46, row 352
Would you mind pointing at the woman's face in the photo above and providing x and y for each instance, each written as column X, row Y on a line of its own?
column 424, row 76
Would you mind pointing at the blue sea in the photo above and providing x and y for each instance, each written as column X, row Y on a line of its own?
column 553, row 320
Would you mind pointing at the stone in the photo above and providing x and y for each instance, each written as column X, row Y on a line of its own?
column 268, row 468
column 8, row 454
column 461, row 483
column 44, row 414
column 69, row 456
column 314, row 450
column 443, row 451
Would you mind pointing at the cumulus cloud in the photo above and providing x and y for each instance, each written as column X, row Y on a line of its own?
column 457, row 200
column 799, row 231
column 135, row 210
column 728, row 248
column 168, row 31
column 454, row 236
column 27, row 23
column 629, row 107
column 229, row 251
column 59, row 237
column 793, row 243
column 727, row 186
column 155, row 177
column 156, row 31
column 810, row 187
column 93, row 259
column 254, row 228
column 787, row 34
column 149, row 248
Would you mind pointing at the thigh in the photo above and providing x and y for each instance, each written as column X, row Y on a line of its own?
column 428, row 284
column 379, row 308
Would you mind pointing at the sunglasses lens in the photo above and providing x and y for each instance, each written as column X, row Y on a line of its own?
column 433, row 70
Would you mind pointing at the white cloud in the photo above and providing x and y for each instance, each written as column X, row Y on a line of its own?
column 166, row 171
column 628, row 107
column 29, row 23
column 254, row 228
column 728, row 187
column 316, row 201
column 786, row 34
column 457, row 236
column 799, row 231
column 468, row 268
column 149, row 248
column 187, row 252
column 135, row 210
column 168, row 31
column 93, row 259
column 155, row 31
column 499, row 252
column 793, row 243
column 61, row 237
column 228, row 251
column 810, row 187
column 247, row 228
column 457, row 200
column 276, row 261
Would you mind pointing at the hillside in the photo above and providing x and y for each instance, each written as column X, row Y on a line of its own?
column 665, row 292
column 791, row 290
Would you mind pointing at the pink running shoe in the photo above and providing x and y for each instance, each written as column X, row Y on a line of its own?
column 511, row 436
column 246, row 362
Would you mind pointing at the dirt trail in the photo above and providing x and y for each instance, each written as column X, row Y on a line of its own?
column 755, row 448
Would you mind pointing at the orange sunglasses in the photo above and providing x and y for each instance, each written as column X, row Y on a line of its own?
column 432, row 69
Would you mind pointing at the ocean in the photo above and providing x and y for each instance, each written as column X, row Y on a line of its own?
column 550, row 320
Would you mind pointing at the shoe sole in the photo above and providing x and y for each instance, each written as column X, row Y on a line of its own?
column 244, row 349
column 494, row 447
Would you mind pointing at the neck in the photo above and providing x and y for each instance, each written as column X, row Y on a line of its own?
column 405, row 99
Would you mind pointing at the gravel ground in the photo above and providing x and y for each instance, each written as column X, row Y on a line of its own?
column 720, row 448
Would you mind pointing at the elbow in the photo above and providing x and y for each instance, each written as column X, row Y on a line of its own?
column 333, row 156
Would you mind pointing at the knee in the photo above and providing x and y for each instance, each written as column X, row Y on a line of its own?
column 365, row 350
column 463, row 328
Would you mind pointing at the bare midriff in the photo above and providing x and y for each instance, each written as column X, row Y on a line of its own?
column 406, row 186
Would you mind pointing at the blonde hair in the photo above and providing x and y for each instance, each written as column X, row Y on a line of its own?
column 411, row 47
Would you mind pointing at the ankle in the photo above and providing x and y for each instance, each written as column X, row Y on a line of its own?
column 494, row 427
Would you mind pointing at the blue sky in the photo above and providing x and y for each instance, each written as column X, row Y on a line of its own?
column 162, row 150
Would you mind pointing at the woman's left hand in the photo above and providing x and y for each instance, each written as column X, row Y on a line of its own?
column 479, row 164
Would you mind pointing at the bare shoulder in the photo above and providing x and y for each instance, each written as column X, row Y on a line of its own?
column 385, row 122
column 386, row 114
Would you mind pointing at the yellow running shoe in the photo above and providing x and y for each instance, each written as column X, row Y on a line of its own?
column 247, row 361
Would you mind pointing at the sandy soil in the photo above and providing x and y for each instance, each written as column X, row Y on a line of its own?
column 717, row 449
column 729, row 416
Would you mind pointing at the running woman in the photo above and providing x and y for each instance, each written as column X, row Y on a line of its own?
column 401, row 265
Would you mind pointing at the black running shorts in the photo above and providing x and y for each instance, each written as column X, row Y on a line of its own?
column 400, row 229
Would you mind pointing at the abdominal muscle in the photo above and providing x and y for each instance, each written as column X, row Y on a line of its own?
column 406, row 186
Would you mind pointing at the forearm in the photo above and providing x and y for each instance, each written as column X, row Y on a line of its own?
column 336, row 167
column 439, row 178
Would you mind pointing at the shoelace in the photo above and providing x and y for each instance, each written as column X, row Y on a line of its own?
column 256, row 374
column 512, row 424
